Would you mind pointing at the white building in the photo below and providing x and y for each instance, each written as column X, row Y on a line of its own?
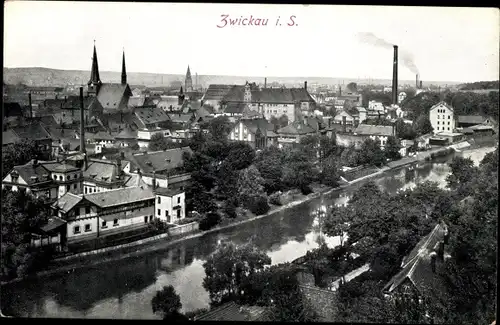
column 170, row 205
column 442, row 118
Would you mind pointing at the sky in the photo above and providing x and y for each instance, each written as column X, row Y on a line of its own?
column 445, row 44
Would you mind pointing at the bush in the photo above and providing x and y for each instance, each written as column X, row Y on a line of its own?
column 306, row 189
column 258, row 205
column 275, row 198
column 209, row 221
column 159, row 226
column 230, row 210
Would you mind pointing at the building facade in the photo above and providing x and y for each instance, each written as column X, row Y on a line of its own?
column 442, row 118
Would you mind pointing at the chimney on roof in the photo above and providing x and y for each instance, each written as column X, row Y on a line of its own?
column 31, row 106
column 34, row 162
column 305, row 85
column 395, row 76
column 433, row 257
column 139, row 177
column 154, row 180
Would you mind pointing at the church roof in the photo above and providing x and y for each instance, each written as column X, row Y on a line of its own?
column 111, row 94
column 217, row 92
column 150, row 115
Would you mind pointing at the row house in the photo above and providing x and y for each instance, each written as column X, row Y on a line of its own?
column 51, row 179
column 353, row 116
column 120, row 210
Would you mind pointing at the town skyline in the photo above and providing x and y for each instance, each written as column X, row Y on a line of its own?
column 192, row 44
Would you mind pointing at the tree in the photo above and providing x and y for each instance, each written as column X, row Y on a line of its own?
column 249, row 184
column 392, row 148
column 269, row 162
column 330, row 174
column 240, row 156
column 404, row 130
column 22, row 215
column 19, row 153
column 199, row 199
column 337, row 223
column 283, row 120
column 350, row 156
column 462, row 173
column 227, row 269
column 219, row 128
column 353, row 87
column 423, row 125
column 158, row 142
column 275, row 122
column 371, row 153
column 298, row 171
column 166, row 302
column 210, row 220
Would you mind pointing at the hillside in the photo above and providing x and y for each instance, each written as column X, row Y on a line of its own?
column 54, row 77
column 480, row 85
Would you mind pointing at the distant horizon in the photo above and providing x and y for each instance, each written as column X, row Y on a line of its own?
column 256, row 76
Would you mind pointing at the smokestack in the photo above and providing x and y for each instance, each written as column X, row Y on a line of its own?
column 395, row 76
column 420, row 84
column 82, row 129
column 340, row 91
column 305, row 85
column 31, row 106
column 265, row 82
column 417, row 83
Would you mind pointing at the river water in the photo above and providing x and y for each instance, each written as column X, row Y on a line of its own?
column 124, row 289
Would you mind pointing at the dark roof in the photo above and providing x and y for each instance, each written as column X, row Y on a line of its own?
column 235, row 107
column 416, row 267
column 34, row 131
column 9, row 137
column 258, row 124
column 101, row 170
column 126, row 133
column 471, row 119
column 64, row 168
column 54, row 222
column 269, row 95
column 443, row 103
column 167, row 191
column 110, row 95
column 233, row 312
column 151, row 115
column 180, row 118
column 216, row 92
column 67, row 202
column 136, row 101
column 159, row 160
column 120, row 196
column 296, row 127
column 365, row 129
column 99, row 136
column 12, row 109
column 33, row 174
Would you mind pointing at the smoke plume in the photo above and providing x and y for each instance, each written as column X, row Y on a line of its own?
column 405, row 57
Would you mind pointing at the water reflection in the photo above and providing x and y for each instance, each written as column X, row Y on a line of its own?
column 124, row 289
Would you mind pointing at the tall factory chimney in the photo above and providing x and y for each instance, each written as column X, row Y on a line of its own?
column 31, row 106
column 305, row 85
column 265, row 82
column 82, row 130
column 420, row 84
column 417, row 83
column 395, row 76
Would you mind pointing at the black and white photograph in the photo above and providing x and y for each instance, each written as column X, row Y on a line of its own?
column 249, row 162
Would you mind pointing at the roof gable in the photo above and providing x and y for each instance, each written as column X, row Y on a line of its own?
column 441, row 104
column 160, row 160
column 111, row 94
column 120, row 196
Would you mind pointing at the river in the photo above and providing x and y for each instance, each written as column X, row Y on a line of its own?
column 124, row 289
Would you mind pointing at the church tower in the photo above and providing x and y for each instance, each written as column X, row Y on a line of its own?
column 188, row 83
column 181, row 97
column 124, row 71
column 95, row 81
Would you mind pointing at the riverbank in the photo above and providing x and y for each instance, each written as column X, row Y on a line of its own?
column 79, row 261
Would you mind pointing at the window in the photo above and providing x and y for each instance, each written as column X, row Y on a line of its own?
column 55, row 177
column 182, row 188
column 87, row 210
column 166, row 213
column 448, row 129
column 159, row 212
column 115, row 222
column 85, row 190
column 88, row 227
column 449, row 117
column 179, row 199
column 159, row 200
column 448, row 122
column 76, row 230
column 145, row 219
column 150, row 218
column 68, row 187
column 75, row 186
column 104, row 224
column 438, row 122
column 178, row 213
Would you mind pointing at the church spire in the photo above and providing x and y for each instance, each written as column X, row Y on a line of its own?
column 188, row 83
column 94, row 73
column 124, row 71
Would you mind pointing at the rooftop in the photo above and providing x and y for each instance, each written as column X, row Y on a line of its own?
column 120, row 196
column 233, row 312
column 382, row 130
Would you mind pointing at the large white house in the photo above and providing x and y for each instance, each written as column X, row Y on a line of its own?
column 442, row 118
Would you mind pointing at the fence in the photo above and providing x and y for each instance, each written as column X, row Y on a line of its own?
column 183, row 229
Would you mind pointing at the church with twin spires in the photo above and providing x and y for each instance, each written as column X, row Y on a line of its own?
column 113, row 97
